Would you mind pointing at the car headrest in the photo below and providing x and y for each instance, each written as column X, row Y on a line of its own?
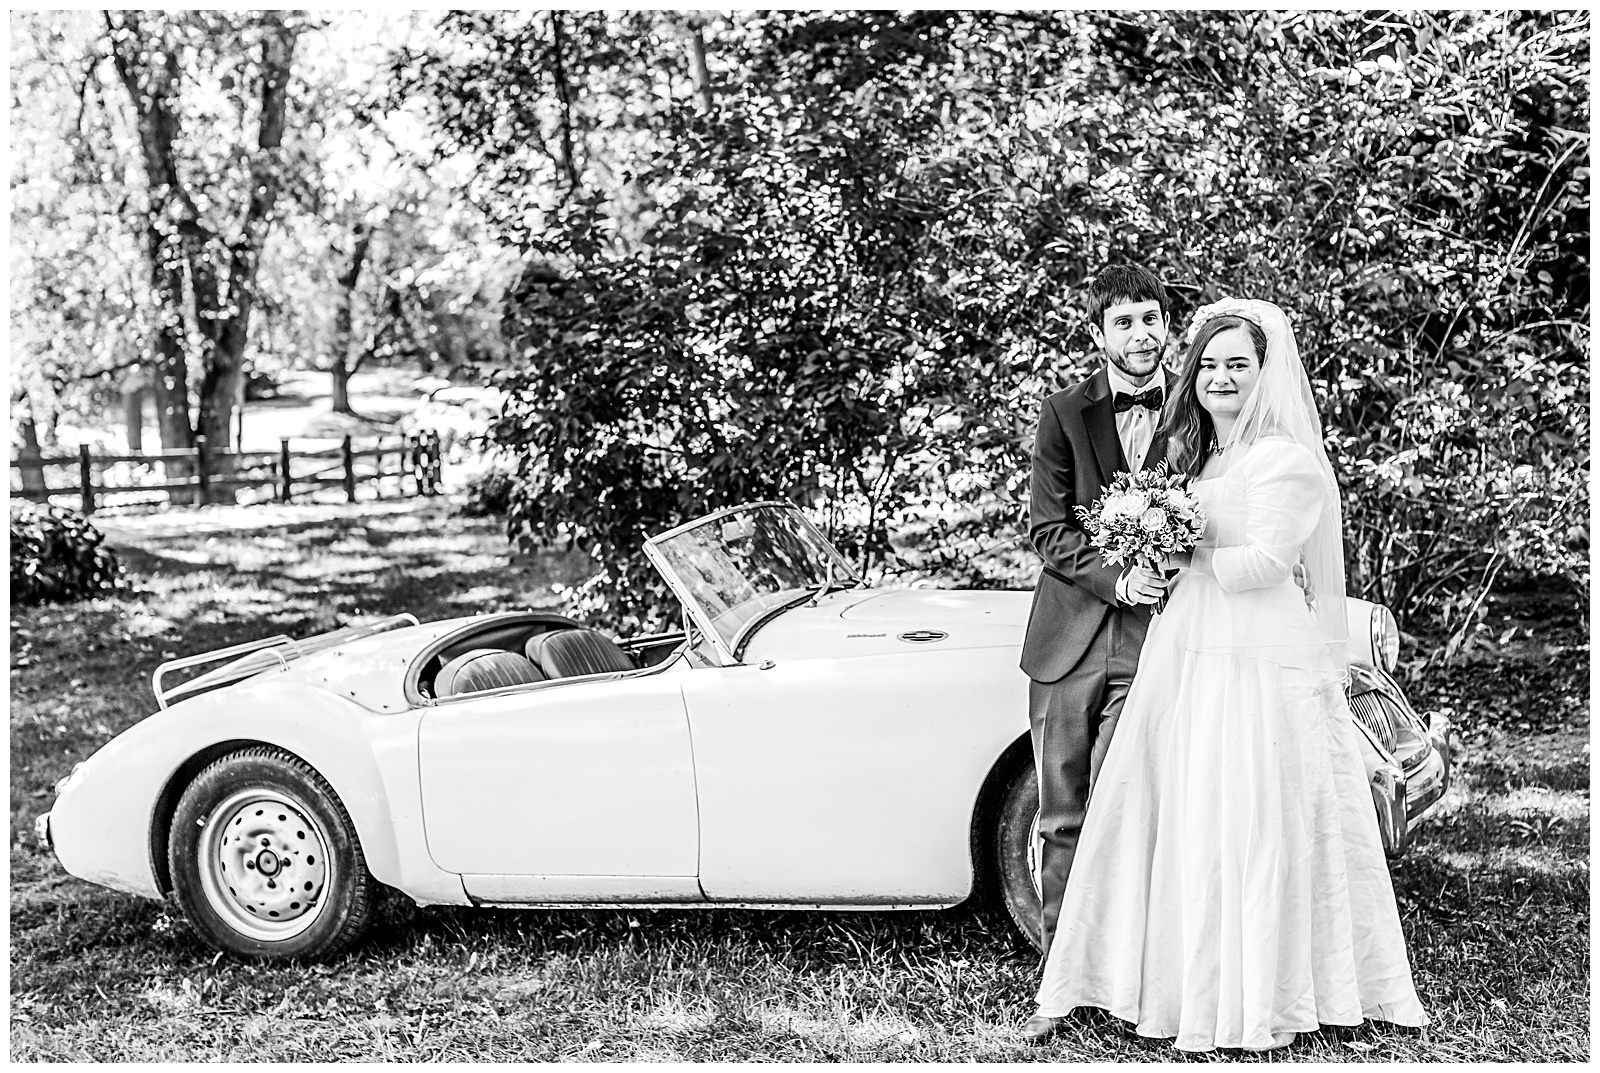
column 485, row 668
column 569, row 653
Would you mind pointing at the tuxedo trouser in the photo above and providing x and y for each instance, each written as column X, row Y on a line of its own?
column 1072, row 720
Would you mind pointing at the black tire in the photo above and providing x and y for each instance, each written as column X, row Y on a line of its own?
column 1015, row 851
column 298, row 886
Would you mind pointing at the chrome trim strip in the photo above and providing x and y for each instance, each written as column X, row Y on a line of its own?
column 548, row 683
column 691, row 523
column 827, row 907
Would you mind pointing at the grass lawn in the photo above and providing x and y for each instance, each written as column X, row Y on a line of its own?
column 1494, row 894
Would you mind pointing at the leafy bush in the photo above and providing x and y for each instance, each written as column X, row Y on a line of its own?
column 488, row 490
column 851, row 282
column 57, row 556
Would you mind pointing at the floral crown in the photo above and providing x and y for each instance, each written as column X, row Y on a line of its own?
column 1231, row 307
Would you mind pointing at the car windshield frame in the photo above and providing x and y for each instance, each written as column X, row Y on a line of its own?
column 732, row 591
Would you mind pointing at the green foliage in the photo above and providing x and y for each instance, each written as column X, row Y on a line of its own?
column 57, row 556
column 489, row 491
column 86, row 315
column 851, row 282
column 79, row 291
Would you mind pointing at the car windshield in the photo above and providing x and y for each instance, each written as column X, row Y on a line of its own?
column 736, row 566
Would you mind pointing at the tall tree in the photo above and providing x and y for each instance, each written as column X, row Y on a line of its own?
column 205, row 218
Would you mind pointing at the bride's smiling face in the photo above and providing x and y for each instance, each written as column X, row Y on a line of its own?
column 1228, row 371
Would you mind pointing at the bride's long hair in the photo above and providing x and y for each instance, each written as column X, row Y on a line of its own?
column 1187, row 424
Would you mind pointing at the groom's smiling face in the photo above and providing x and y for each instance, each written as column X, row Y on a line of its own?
column 1133, row 336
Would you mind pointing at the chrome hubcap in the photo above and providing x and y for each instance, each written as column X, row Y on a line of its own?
column 264, row 864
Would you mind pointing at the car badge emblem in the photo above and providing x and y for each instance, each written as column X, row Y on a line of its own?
column 922, row 637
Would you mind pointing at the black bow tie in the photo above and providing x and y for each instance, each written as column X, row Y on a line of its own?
column 1150, row 400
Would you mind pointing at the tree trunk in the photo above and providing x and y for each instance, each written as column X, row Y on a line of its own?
column 148, row 68
column 564, row 95
column 222, row 389
column 133, row 418
column 697, row 66
column 32, row 476
column 343, row 365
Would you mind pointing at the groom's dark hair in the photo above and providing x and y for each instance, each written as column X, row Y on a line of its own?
column 1124, row 283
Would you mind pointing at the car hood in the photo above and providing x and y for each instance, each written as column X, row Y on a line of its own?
column 874, row 622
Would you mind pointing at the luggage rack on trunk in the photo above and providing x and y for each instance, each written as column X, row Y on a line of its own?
column 262, row 654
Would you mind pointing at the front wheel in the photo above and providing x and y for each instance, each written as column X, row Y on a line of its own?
column 1015, row 846
column 264, row 859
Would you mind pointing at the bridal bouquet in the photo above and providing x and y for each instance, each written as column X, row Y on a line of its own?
column 1143, row 517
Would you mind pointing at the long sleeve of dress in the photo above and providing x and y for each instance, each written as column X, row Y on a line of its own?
column 1283, row 490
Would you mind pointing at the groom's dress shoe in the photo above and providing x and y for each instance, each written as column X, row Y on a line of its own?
column 1038, row 1029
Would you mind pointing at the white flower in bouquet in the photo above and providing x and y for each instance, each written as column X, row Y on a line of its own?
column 1143, row 517
column 1127, row 505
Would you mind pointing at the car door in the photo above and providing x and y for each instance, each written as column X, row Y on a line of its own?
column 570, row 791
column 847, row 781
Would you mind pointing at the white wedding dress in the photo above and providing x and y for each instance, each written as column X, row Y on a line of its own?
column 1230, row 888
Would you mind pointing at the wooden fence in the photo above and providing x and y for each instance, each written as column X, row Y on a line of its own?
column 197, row 475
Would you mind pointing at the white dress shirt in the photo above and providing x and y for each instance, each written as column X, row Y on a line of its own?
column 1136, row 427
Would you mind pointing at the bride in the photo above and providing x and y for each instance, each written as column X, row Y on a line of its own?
column 1230, row 889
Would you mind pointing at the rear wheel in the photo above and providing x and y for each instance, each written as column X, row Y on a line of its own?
column 1015, row 846
column 264, row 859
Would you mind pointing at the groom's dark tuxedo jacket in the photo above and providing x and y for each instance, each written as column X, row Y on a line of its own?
column 1076, row 454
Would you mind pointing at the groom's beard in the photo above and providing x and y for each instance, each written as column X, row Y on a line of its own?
column 1137, row 367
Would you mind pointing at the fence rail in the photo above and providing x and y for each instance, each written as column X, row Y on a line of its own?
column 196, row 474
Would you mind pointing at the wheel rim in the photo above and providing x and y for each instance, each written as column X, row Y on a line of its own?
column 265, row 865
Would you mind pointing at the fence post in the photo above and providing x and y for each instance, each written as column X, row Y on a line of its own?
column 284, row 490
column 377, row 471
column 435, row 459
column 349, row 471
column 200, row 469
column 85, row 479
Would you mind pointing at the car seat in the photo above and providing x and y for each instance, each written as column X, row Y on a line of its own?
column 485, row 668
column 569, row 653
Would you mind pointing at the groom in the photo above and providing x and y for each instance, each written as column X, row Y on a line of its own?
column 1088, row 619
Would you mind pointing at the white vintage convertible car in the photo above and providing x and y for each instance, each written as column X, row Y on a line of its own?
column 801, row 741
